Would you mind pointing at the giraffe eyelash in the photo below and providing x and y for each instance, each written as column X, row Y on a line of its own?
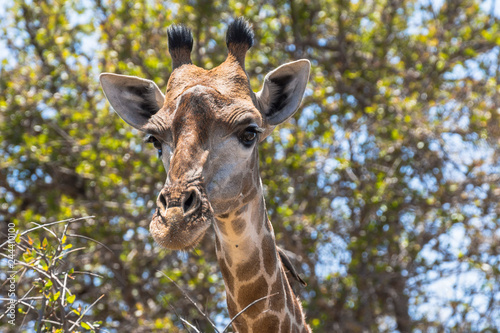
column 156, row 143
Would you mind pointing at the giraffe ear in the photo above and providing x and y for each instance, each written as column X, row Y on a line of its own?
column 134, row 99
column 282, row 91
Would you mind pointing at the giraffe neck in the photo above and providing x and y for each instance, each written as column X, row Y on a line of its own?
column 251, row 268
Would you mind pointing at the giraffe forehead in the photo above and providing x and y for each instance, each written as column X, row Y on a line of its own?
column 205, row 108
column 222, row 95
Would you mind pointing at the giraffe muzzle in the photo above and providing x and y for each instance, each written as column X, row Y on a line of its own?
column 182, row 217
column 190, row 202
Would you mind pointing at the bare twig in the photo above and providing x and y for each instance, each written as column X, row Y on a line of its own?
column 189, row 298
column 193, row 327
column 46, row 229
column 57, row 222
column 246, row 308
column 84, row 312
column 63, row 303
column 48, row 224
column 64, row 289
column 177, row 314
column 88, row 273
column 71, row 251
column 39, row 270
column 91, row 239
column 52, row 322
column 30, row 306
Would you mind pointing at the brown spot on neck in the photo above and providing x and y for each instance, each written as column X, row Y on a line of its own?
column 267, row 324
column 251, row 292
column 238, row 225
column 250, row 268
column 270, row 255
column 286, row 324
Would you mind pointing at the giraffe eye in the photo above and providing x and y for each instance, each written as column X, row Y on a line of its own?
column 155, row 142
column 249, row 135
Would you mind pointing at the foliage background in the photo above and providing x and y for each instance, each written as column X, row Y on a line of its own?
column 386, row 185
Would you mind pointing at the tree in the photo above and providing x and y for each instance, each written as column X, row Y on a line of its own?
column 385, row 185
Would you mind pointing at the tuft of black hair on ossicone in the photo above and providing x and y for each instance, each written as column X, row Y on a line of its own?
column 180, row 44
column 239, row 32
column 179, row 36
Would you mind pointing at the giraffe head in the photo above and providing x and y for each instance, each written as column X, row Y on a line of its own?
column 206, row 129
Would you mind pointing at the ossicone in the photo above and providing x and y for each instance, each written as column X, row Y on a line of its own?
column 239, row 38
column 180, row 44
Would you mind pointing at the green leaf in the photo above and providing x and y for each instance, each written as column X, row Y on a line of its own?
column 44, row 264
column 70, row 298
column 27, row 256
column 55, row 297
column 48, row 284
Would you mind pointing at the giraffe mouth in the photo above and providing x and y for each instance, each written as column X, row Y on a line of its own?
column 177, row 228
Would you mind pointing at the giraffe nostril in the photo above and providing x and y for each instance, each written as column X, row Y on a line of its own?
column 188, row 202
column 191, row 202
column 162, row 202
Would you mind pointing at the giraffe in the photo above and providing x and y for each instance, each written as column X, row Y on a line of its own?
column 206, row 129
